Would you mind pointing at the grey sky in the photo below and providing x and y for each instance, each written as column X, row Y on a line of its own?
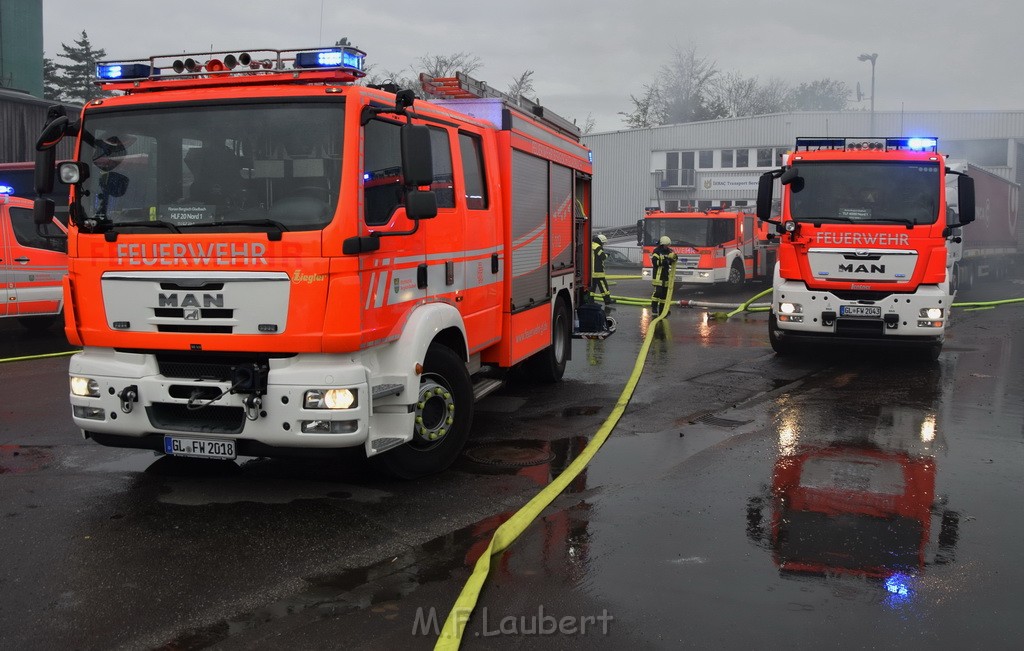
column 589, row 56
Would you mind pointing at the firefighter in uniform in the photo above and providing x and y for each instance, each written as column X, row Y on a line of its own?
column 599, row 283
column 662, row 259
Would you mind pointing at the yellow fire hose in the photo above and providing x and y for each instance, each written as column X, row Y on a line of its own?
column 506, row 534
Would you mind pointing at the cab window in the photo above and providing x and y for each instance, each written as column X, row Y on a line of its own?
column 383, row 187
column 473, row 172
column 26, row 233
column 441, row 152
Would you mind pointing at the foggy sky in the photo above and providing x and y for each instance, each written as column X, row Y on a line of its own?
column 590, row 56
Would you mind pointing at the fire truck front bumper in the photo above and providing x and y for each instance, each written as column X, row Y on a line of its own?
column 282, row 406
column 921, row 316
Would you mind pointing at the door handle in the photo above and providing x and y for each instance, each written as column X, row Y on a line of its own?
column 21, row 259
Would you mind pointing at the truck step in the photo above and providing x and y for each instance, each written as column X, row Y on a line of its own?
column 486, row 386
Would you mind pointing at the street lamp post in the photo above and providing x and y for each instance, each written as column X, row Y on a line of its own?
column 871, row 58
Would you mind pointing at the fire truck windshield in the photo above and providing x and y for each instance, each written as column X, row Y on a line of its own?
column 241, row 167
column 867, row 192
column 689, row 231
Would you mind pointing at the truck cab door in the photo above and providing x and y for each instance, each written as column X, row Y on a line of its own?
column 34, row 264
column 8, row 293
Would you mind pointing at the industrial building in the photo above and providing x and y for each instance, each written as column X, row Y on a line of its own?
column 712, row 164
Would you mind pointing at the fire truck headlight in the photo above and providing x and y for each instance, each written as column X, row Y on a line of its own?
column 931, row 313
column 85, row 387
column 790, row 308
column 704, row 274
column 790, row 226
column 330, row 399
column 72, row 172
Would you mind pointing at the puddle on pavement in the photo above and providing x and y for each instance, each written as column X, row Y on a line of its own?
column 384, row 583
column 18, row 459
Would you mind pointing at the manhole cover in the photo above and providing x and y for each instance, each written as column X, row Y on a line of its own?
column 509, row 455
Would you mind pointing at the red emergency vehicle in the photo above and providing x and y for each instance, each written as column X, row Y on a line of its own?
column 714, row 247
column 32, row 263
column 863, row 250
column 266, row 257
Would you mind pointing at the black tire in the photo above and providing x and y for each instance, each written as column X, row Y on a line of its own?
column 931, row 352
column 736, row 274
column 444, row 414
column 548, row 365
column 954, row 279
column 777, row 338
column 967, row 277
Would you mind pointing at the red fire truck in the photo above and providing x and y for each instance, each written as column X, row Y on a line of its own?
column 266, row 257
column 714, row 247
column 863, row 250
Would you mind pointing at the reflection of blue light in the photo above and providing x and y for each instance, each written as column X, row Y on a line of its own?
column 898, row 585
column 366, row 176
column 6, row 189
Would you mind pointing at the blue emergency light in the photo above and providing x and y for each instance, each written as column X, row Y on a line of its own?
column 116, row 71
column 337, row 57
column 922, row 143
column 6, row 189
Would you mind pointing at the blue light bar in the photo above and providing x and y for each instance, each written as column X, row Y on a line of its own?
column 116, row 71
column 6, row 189
column 922, row 143
column 348, row 58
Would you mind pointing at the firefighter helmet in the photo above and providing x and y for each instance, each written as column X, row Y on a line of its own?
column 602, row 238
column 665, row 240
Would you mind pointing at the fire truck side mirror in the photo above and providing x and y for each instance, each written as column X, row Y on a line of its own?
column 420, row 204
column 46, row 162
column 792, row 178
column 43, row 210
column 53, row 133
column 639, row 232
column 417, row 161
column 764, row 196
column 965, row 187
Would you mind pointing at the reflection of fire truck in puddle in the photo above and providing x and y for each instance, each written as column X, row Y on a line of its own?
column 860, row 505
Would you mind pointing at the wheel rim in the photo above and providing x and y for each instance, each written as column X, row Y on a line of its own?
column 435, row 414
column 735, row 275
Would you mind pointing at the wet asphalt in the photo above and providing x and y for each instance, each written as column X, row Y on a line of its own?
column 845, row 498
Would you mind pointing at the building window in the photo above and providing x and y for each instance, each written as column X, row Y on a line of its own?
column 707, row 159
column 742, row 158
column 764, row 157
column 672, row 206
column 703, row 206
column 726, row 158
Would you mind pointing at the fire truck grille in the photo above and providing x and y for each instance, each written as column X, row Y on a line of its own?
column 853, row 295
column 203, row 367
column 206, row 313
column 859, row 328
column 206, row 420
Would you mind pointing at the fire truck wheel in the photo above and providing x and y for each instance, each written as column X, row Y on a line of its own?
column 443, row 415
column 736, row 274
column 777, row 338
column 549, row 364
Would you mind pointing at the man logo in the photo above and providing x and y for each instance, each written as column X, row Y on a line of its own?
column 862, row 268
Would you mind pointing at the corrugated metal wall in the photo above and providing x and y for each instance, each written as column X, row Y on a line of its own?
column 623, row 181
column 21, row 121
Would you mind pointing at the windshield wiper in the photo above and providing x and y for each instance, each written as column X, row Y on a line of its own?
column 148, row 223
column 246, row 222
column 818, row 220
column 910, row 223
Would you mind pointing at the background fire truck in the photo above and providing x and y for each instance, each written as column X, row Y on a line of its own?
column 991, row 246
column 32, row 264
column 714, row 247
column 266, row 258
column 863, row 253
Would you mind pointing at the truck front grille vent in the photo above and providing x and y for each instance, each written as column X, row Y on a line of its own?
column 207, row 420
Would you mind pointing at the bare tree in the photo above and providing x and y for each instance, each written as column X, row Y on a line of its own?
column 648, row 109
column 588, row 124
column 446, row 65
column 687, row 83
column 820, row 95
column 521, row 86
